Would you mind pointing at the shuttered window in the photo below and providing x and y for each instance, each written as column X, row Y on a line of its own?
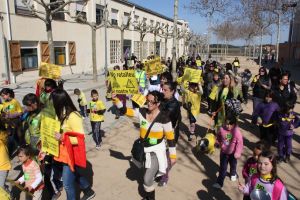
column 72, row 53
column 15, row 56
column 45, row 52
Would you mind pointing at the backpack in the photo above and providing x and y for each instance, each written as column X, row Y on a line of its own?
column 278, row 187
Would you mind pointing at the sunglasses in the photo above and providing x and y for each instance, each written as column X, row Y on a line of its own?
column 151, row 102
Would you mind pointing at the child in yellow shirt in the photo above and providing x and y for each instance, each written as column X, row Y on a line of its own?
column 96, row 111
column 5, row 164
column 82, row 102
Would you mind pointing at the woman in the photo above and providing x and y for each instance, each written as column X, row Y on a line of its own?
column 167, row 77
column 71, row 122
column 226, row 91
column 155, row 147
column 170, row 105
column 261, row 83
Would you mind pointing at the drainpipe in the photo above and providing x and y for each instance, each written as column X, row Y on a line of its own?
column 9, row 38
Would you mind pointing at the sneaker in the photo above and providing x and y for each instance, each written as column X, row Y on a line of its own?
column 233, row 178
column 56, row 196
column 217, row 186
column 98, row 147
column 90, row 194
column 280, row 159
column 162, row 184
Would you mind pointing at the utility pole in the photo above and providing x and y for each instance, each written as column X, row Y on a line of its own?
column 105, row 38
column 5, row 59
column 174, row 39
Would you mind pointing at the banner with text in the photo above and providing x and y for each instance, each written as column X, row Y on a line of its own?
column 123, row 82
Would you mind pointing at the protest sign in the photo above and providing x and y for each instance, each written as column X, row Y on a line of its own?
column 49, row 127
column 153, row 66
column 123, row 82
column 139, row 99
column 213, row 93
column 48, row 70
column 192, row 75
column 198, row 63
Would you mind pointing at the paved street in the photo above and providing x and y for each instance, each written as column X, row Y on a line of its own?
column 191, row 178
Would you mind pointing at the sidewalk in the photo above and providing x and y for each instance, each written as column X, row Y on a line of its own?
column 82, row 81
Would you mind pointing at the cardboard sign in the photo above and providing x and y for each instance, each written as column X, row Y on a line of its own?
column 198, row 63
column 213, row 93
column 49, row 127
column 52, row 71
column 123, row 82
column 192, row 75
column 139, row 99
column 153, row 67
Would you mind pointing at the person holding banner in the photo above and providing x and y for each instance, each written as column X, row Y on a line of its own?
column 159, row 127
column 141, row 77
column 71, row 136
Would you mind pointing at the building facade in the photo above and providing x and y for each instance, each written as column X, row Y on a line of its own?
column 24, row 42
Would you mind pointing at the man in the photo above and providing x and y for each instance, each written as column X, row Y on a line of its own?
column 275, row 73
column 141, row 77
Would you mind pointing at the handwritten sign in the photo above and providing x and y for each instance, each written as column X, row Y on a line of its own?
column 192, row 75
column 153, row 66
column 123, row 82
column 139, row 99
column 48, row 70
column 49, row 127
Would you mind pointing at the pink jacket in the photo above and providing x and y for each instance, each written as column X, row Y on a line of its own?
column 231, row 141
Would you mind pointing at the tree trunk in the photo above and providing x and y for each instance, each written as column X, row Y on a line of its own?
column 260, row 52
column 154, row 46
column 95, row 77
column 166, row 48
column 174, row 40
column 50, row 40
column 122, row 45
column 278, row 37
column 141, row 46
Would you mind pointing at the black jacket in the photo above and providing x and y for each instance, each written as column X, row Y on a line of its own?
column 286, row 95
column 172, row 107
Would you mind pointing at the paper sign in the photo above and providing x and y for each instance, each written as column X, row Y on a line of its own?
column 198, row 63
column 48, row 70
column 123, row 82
column 213, row 93
column 192, row 75
column 139, row 99
column 153, row 67
column 49, row 127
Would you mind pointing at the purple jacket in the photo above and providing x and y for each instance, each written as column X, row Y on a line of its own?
column 265, row 111
column 231, row 142
column 284, row 123
column 249, row 168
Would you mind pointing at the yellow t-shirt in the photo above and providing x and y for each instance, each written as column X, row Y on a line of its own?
column 95, row 106
column 195, row 99
column 4, row 161
column 83, row 101
column 12, row 107
column 73, row 123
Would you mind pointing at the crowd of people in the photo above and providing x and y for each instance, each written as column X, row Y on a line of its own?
column 220, row 88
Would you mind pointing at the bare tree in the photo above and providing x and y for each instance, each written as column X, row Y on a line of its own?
column 49, row 10
column 166, row 33
column 155, row 30
column 143, row 29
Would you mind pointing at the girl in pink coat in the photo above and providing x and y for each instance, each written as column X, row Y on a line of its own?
column 230, row 140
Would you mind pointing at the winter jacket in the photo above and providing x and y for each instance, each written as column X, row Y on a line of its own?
column 172, row 107
column 287, row 94
column 266, row 111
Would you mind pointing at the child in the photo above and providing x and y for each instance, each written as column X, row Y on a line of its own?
column 250, row 166
column 264, row 115
column 5, row 164
column 287, row 121
column 212, row 88
column 82, row 102
column 230, row 140
column 32, row 176
column 11, row 112
column 45, row 100
column 246, row 82
column 96, row 111
column 266, row 179
column 193, row 101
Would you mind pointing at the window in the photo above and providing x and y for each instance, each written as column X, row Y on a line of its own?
column 162, row 49
column 60, row 55
column 114, row 17
column 115, row 51
column 80, row 12
column 21, row 8
column 126, row 18
column 29, row 58
column 144, row 19
column 145, row 50
column 151, row 48
column 137, row 49
column 157, row 48
column 99, row 14
column 59, row 15
column 136, row 18
column 127, row 48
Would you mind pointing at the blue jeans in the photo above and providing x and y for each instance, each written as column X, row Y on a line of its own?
column 224, row 160
column 83, row 110
column 69, row 178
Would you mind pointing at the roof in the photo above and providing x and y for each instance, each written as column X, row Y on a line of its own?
column 128, row 3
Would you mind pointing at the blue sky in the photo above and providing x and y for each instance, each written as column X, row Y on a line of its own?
column 197, row 23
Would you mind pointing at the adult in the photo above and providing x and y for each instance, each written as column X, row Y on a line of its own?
column 236, row 65
column 261, row 84
column 275, row 74
column 141, row 77
column 227, row 90
column 156, row 161
column 285, row 91
column 71, row 135
column 166, row 77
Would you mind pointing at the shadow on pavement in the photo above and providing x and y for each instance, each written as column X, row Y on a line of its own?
column 118, row 155
column 133, row 173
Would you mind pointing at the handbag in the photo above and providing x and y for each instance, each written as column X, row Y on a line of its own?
column 137, row 150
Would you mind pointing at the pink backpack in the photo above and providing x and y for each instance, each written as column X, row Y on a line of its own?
column 278, row 186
